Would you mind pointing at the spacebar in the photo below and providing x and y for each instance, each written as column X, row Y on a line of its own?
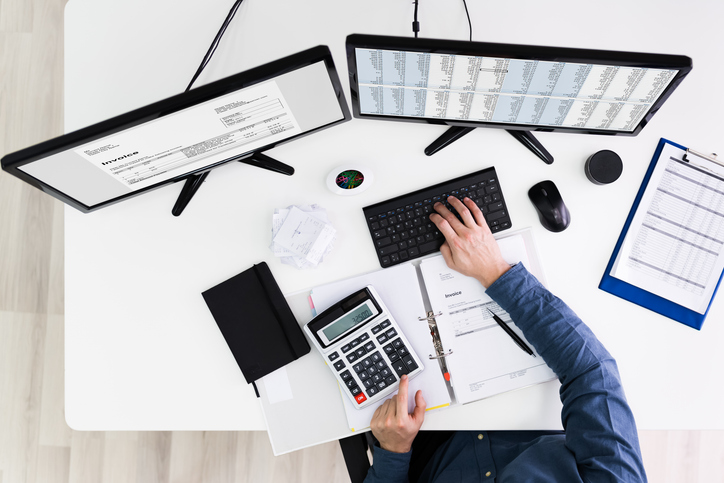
column 431, row 246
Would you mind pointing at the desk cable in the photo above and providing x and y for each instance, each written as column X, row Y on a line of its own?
column 215, row 43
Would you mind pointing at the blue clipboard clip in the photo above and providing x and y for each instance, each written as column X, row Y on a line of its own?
column 638, row 295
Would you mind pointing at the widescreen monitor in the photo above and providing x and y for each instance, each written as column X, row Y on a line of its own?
column 514, row 87
column 185, row 136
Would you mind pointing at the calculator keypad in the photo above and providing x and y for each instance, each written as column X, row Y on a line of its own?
column 365, row 356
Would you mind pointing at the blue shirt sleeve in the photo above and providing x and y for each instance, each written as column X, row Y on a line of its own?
column 389, row 467
column 600, row 430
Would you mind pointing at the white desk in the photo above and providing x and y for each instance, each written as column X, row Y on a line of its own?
column 142, row 350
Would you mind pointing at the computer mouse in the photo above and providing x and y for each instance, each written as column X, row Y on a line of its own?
column 552, row 211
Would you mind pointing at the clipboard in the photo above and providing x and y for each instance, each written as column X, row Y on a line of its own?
column 642, row 297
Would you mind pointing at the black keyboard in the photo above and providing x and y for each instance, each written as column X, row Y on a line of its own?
column 401, row 228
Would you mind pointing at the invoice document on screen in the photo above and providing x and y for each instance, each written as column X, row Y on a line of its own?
column 193, row 138
column 674, row 247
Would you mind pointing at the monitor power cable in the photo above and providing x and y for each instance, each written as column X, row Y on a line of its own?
column 416, row 24
column 215, row 43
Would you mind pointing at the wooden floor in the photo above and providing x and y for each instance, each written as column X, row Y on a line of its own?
column 35, row 443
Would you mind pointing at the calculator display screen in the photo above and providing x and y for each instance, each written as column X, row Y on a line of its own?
column 351, row 319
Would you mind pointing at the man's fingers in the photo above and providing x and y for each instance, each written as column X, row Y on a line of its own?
column 402, row 395
column 463, row 210
column 449, row 217
column 477, row 214
column 443, row 225
column 420, row 406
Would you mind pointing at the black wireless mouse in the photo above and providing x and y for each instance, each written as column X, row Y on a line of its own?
column 552, row 211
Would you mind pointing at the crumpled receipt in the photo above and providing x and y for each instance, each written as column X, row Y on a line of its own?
column 302, row 235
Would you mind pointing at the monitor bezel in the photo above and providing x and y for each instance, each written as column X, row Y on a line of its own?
column 516, row 51
column 13, row 161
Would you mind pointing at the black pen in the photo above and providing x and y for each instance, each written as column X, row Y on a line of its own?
column 512, row 334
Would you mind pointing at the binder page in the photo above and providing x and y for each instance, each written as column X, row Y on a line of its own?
column 485, row 360
column 674, row 247
column 399, row 290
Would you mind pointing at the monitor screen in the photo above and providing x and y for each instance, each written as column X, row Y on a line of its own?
column 509, row 86
column 226, row 120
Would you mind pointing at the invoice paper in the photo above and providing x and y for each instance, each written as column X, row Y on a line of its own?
column 674, row 247
column 485, row 360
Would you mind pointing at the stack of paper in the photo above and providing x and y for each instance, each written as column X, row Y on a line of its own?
column 302, row 235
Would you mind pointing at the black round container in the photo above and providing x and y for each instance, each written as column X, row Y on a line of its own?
column 604, row 167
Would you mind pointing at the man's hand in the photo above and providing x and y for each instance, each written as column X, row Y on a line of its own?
column 391, row 424
column 469, row 247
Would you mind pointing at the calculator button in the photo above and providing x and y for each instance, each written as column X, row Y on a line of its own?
column 363, row 376
column 363, row 337
column 352, row 357
column 372, row 369
column 368, row 383
column 339, row 365
column 411, row 365
column 351, row 383
column 381, row 365
column 382, row 338
column 389, row 349
column 402, row 351
column 385, row 372
column 370, row 346
column 393, row 356
column 391, row 333
column 376, row 357
column 333, row 356
column 354, row 343
column 358, row 367
column 381, row 385
column 367, row 363
column 376, row 378
column 400, row 368
column 385, row 324
column 346, row 375
column 372, row 390
column 355, row 390
column 390, row 379
column 360, row 398
column 376, row 329
column 346, row 348
column 397, row 343
column 360, row 352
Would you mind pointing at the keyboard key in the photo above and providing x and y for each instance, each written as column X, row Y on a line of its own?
column 388, row 249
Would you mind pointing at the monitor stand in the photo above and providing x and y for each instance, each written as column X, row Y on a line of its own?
column 525, row 137
column 194, row 182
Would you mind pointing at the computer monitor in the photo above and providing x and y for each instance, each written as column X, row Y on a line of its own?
column 185, row 136
column 519, row 88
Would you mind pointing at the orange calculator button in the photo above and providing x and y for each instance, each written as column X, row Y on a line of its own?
column 360, row 398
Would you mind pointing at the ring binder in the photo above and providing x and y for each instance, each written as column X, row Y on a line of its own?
column 440, row 354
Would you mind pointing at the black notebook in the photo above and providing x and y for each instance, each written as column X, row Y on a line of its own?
column 256, row 322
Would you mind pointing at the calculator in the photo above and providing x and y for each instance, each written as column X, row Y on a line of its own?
column 364, row 347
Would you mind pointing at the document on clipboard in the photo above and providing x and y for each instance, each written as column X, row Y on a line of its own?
column 670, row 255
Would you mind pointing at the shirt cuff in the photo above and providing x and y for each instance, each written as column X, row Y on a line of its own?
column 389, row 467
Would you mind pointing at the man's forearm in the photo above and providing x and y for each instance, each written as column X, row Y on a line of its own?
column 600, row 428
